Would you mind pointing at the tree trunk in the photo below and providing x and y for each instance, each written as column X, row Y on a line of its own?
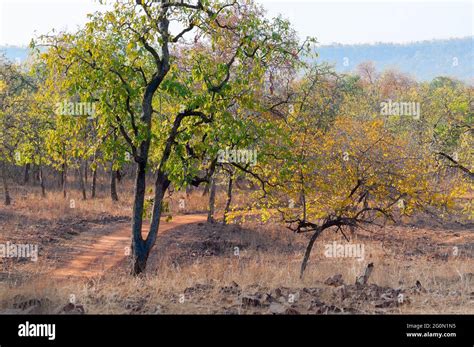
column 229, row 197
column 7, row 199
column 36, row 173
column 161, row 185
column 212, row 201
column 86, row 176
column 113, row 183
column 81, row 183
column 94, row 183
column 139, row 252
column 64, row 180
column 118, row 175
column 317, row 232
column 140, row 247
column 364, row 278
column 41, row 178
column 26, row 176
column 61, row 177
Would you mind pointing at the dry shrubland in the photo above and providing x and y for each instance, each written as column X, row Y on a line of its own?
column 251, row 267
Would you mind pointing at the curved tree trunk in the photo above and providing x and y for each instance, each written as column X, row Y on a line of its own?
column 140, row 247
column 161, row 185
column 307, row 253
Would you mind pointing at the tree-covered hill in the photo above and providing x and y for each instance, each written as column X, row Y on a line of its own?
column 424, row 60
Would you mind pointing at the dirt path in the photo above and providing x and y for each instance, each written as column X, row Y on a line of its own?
column 97, row 254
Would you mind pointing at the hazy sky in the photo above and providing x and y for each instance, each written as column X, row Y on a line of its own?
column 329, row 21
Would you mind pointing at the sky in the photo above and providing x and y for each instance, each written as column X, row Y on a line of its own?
column 347, row 22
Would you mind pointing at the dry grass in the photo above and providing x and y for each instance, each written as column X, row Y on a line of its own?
column 269, row 259
column 113, row 293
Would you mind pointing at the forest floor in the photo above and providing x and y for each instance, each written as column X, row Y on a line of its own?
column 248, row 268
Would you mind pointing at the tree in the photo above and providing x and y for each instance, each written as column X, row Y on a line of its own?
column 128, row 56
column 354, row 172
column 16, row 88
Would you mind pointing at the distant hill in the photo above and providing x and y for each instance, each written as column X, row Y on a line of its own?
column 423, row 60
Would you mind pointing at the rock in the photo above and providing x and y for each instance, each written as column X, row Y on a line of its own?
column 23, row 305
column 277, row 293
column 321, row 308
column 341, row 292
column 231, row 312
column 11, row 311
column 291, row 311
column 312, row 291
column 158, row 309
column 233, row 288
column 293, row 297
column 251, row 300
column 335, row 281
column 198, row 288
column 33, row 310
column 386, row 303
column 67, row 308
column 266, row 298
column 276, row 308
column 71, row 308
column 32, row 306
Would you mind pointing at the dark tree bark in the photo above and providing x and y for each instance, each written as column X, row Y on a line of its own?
column 41, row 178
column 61, row 177
column 143, row 247
column 457, row 165
column 81, row 183
column 364, row 278
column 140, row 247
column 86, row 169
column 212, row 200
column 94, row 183
column 229, row 197
column 119, row 175
column 26, row 176
column 113, row 183
column 64, row 180
column 7, row 199
column 139, row 251
column 307, row 253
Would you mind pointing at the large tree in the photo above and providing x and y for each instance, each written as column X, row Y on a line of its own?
column 164, row 87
